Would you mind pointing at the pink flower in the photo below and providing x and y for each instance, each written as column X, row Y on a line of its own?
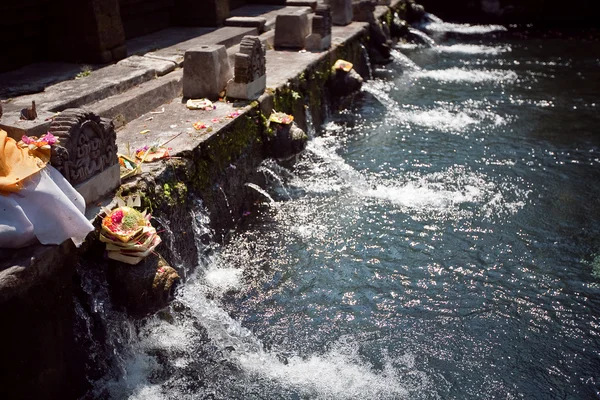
column 49, row 138
column 27, row 140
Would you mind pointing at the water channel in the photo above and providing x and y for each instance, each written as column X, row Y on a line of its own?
column 439, row 239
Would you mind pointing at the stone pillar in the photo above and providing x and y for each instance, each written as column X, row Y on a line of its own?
column 341, row 11
column 201, row 13
column 88, row 31
column 206, row 72
column 250, row 79
column 320, row 38
column 291, row 30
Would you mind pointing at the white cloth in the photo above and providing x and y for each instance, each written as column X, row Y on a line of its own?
column 47, row 208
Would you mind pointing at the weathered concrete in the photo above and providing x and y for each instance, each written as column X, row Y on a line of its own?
column 252, row 22
column 161, row 67
column 227, row 36
column 341, row 11
column 206, row 72
column 291, row 31
column 302, row 3
column 127, row 106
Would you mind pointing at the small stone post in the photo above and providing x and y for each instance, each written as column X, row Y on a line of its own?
column 341, row 11
column 320, row 38
column 205, row 72
column 250, row 79
column 291, row 30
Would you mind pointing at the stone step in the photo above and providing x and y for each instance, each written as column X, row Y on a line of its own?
column 127, row 106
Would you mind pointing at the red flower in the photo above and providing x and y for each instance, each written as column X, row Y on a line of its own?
column 117, row 217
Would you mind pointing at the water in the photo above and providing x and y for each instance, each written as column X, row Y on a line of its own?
column 438, row 240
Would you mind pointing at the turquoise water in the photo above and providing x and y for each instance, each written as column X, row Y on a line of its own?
column 437, row 240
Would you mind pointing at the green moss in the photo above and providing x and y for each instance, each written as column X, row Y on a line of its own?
column 389, row 17
column 223, row 148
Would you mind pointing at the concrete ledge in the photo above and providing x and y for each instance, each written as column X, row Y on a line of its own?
column 127, row 106
column 227, row 36
column 251, row 22
column 100, row 185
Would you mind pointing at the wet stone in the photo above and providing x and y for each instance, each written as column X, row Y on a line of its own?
column 287, row 141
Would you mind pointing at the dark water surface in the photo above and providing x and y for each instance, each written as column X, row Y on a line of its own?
column 437, row 241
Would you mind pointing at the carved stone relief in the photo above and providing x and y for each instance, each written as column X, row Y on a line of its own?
column 323, row 25
column 250, row 61
column 87, row 145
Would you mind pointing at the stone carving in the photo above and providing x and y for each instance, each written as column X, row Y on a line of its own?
column 250, row 61
column 323, row 28
column 250, row 78
column 341, row 11
column 87, row 145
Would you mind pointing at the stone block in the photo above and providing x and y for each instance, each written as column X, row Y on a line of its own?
column 247, row 91
column 363, row 11
column 250, row 79
column 291, row 31
column 252, row 22
column 16, row 127
column 302, row 3
column 341, row 11
column 86, row 154
column 206, row 72
column 98, row 186
column 315, row 42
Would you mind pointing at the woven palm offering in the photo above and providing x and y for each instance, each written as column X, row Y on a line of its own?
column 128, row 235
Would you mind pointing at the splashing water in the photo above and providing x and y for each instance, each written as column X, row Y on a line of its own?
column 456, row 74
column 474, row 49
column 465, row 29
column 260, row 190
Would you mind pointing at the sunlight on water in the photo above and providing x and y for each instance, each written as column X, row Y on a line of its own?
column 462, row 28
column 474, row 49
column 445, row 120
column 440, row 192
column 467, row 75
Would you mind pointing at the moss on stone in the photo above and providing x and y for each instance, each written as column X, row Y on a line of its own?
column 221, row 149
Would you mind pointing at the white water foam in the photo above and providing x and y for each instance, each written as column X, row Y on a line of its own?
column 465, row 29
column 441, row 193
column 224, row 279
column 468, row 75
column 446, row 120
column 339, row 373
column 474, row 49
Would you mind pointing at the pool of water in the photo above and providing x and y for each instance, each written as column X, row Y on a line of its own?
column 437, row 240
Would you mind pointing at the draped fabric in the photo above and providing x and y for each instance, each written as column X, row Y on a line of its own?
column 36, row 201
column 16, row 164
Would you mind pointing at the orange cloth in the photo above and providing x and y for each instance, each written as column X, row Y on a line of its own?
column 16, row 164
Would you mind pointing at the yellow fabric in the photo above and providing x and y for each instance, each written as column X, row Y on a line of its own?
column 16, row 164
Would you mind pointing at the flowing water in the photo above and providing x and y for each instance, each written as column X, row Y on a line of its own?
column 437, row 240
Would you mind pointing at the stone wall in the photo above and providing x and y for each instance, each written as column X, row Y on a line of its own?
column 24, row 32
column 141, row 17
